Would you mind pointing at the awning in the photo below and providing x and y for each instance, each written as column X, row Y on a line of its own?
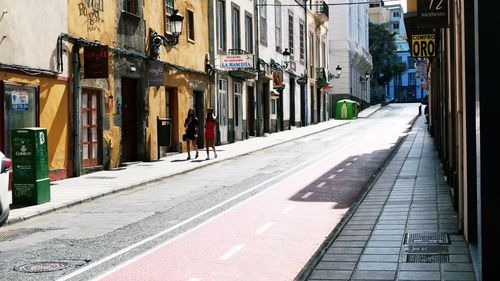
column 274, row 93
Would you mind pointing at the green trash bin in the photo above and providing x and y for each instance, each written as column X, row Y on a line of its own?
column 31, row 183
column 346, row 109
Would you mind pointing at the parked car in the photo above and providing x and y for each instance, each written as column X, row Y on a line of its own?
column 5, row 164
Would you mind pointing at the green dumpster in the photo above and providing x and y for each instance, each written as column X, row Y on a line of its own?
column 346, row 109
column 31, row 183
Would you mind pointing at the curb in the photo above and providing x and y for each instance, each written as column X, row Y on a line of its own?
column 308, row 268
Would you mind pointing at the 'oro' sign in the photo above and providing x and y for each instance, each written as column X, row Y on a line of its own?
column 423, row 45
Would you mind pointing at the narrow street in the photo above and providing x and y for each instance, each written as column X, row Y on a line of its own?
column 260, row 216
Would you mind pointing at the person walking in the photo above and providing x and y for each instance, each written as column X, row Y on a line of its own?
column 191, row 126
column 210, row 126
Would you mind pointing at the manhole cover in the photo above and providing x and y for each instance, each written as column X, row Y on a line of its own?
column 427, row 238
column 439, row 258
column 43, row 266
column 426, row 249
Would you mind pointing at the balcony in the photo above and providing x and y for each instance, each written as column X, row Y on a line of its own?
column 321, row 11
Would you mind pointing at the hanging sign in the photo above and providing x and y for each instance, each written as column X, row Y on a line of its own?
column 423, row 45
column 95, row 60
column 155, row 73
column 433, row 13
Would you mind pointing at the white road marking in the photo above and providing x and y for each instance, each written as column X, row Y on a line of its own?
column 263, row 228
column 321, row 184
column 348, row 164
column 332, row 176
column 340, row 170
column 182, row 223
column 194, row 279
column 231, row 252
column 355, row 159
column 307, row 195
column 288, row 209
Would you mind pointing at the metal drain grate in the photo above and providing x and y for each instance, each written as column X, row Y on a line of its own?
column 22, row 232
column 420, row 258
column 426, row 249
column 427, row 238
column 100, row 177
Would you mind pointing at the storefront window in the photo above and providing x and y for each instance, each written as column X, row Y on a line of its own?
column 20, row 110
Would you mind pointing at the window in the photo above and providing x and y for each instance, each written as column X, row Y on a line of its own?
column 131, row 6
column 90, row 127
column 248, row 34
column 277, row 23
column 395, row 14
column 237, row 97
column 318, row 53
column 290, row 33
column 395, row 26
column 301, row 41
column 169, row 10
column 235, row 28
column 273, row 106
column 411, row 62
column 411, row 79
column 398, row 80
column 311, row 54
column 190, row 25
column 221, row 25
column 323, row 53
column 263, row 22
column 223, row 102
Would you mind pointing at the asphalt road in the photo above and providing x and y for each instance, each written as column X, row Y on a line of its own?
column 257, row 217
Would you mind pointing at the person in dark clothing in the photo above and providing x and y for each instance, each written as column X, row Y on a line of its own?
column 191, row 126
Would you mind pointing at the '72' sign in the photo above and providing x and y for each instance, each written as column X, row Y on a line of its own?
column 433, row 13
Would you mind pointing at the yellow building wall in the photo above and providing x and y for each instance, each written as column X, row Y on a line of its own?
column 96, row 22
column 54, row 104
column 188, row 54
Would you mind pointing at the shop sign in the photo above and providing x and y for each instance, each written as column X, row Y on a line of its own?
column 421, row 70
column 95, row 59
column 278, row 79
column 236, row 61
column 433, row 13
column 423, row 45
column 155, row 73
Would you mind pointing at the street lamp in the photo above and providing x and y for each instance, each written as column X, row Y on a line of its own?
column 365, row 78
column 338, row 72
column 176, row 20
column 286, row 60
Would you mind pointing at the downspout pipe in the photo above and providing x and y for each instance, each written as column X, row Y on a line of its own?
column 257, row 62
column 77, row 165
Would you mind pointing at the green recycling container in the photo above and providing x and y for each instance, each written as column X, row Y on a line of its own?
column 346, row 109
column 31, row 183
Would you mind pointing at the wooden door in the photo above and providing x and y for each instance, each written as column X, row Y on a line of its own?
column 90, row 128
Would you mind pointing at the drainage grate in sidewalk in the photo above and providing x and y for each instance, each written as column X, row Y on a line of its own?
column 426, row 249
column 100, row 177
column 418, row 258
column 22, row 232
column 427, row 238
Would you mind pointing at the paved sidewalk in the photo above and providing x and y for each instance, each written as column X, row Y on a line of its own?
column 77, row 190
column 405, row 228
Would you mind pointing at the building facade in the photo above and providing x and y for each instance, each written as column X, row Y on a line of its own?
column 462, row 114
column 34, row 77
column 349, row 49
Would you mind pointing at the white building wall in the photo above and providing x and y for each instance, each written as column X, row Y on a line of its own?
column 34, row 44
column 349, row 45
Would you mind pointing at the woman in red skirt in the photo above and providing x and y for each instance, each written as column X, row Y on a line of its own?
column 210, row 132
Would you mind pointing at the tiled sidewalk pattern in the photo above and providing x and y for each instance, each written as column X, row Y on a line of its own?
column 405, row 228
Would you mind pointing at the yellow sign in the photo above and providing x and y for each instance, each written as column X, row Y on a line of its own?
column 423, row 45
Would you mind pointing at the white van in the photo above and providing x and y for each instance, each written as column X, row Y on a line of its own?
column 5, row 164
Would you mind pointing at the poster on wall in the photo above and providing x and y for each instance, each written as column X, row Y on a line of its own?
column 20, row 99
